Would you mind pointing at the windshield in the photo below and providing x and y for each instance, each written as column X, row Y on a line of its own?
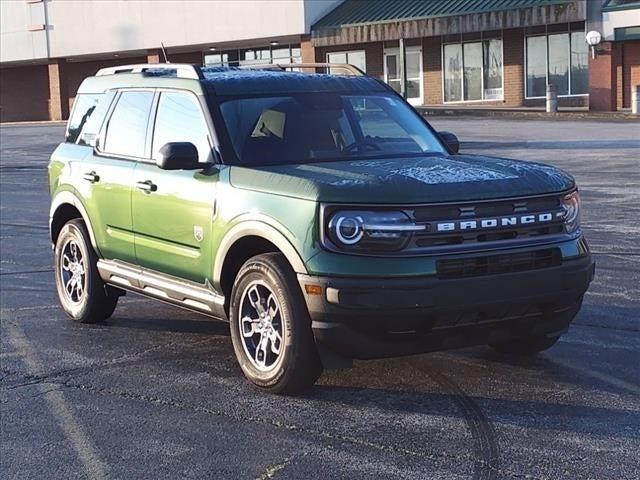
column 315, row 127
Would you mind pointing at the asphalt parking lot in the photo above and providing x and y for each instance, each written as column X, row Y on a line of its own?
column 156, row 393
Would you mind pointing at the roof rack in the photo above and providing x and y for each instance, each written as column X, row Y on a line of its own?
column 183, row 70
column 343, row 68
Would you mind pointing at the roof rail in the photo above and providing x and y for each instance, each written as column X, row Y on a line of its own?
column 342, row 68
column 183, row 70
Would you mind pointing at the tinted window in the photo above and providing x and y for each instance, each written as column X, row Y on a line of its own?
column 89, row 132
column 127, row 128
column 83, row 107
column 180, row 119
column 315, row 127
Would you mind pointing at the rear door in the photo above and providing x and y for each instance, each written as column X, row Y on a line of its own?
column 173, row 209
column 105, row 177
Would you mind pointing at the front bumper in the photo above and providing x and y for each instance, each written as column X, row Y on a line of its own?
column 386, row 316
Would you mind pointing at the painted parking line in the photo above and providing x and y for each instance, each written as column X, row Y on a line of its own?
column 603, row 377
column 78, row 439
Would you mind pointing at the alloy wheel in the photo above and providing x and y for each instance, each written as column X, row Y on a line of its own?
column 261, row 326
column 73, row 271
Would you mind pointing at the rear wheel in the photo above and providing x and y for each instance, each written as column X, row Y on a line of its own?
column 82, row 293
column 270, row 327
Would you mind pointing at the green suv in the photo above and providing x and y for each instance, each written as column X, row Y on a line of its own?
column 318, row 213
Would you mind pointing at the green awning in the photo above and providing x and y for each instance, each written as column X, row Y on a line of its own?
column 616, row 5
column 361, row 12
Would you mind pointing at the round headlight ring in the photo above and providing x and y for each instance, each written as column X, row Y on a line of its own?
column 349, row 230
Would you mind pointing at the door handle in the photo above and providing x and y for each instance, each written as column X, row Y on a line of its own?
column 92, row 177
column 147, row 186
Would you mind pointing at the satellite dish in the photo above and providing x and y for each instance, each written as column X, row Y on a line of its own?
column 593, row 38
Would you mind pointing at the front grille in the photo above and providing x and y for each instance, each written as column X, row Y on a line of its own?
column 486, row 209
column 492, row 236
column 433, row 239
column 498, row 264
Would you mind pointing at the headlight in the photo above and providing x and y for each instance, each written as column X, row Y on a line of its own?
column 571, row 207
column 369, row 231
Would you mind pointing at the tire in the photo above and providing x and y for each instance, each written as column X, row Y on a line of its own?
column 86, row 299
column 525, row 346
column 271, row 328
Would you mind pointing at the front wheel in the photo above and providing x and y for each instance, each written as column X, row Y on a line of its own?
column 82, row 293
column 270, row 327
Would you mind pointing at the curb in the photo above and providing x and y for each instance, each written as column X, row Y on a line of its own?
column 41, row 123
column 531, row 115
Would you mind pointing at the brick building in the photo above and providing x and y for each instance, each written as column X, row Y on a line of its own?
column 484, row 53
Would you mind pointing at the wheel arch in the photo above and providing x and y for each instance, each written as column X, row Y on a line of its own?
column 251, row 237
column 65, row 206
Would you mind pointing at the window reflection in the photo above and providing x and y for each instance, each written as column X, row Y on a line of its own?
column 579, row 63
column 559, row 62
column 560, row 59
column 452, row 73
column 180, row 119
column 536, row 66
column 127, row 128
column 473, row 71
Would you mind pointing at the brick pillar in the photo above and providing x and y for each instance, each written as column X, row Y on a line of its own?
column 432, row 70
column 603, row 78
column 307, row 50
column 374, row 58
column 154, row 56
column 513, row 66
column 58, row 91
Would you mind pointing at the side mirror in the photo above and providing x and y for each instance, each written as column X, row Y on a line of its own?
column 451, row 141
column 179, row 156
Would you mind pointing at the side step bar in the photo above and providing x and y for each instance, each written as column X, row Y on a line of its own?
column 174, row 290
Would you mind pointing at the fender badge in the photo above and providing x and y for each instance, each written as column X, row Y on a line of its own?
column 198, row 233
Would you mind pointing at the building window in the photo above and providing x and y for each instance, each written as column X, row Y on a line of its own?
column 559, row 59
column 217, row 59
column 257, row 55
column 356, row 58
column 473, row 70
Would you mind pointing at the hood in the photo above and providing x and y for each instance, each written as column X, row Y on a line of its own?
column 424, row 179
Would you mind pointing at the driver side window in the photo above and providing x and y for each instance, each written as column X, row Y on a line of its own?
column 180, row 119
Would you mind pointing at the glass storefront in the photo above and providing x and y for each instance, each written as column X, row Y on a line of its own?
column 560, row 59
column 356, row 58
column 472, row 70
column 257, row 55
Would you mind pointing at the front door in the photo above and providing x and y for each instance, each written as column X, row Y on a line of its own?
column 414, row 72
column 173, row 209
column 106, row 174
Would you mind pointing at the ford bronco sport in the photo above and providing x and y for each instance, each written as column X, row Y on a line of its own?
column 318, row 213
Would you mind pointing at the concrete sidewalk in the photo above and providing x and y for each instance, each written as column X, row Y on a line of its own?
column 532, row 113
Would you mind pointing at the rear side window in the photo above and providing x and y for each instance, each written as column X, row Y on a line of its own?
column 127, row 127
column 180, row 119
column 83, row 108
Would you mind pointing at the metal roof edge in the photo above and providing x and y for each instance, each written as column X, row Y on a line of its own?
column 315, row 26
